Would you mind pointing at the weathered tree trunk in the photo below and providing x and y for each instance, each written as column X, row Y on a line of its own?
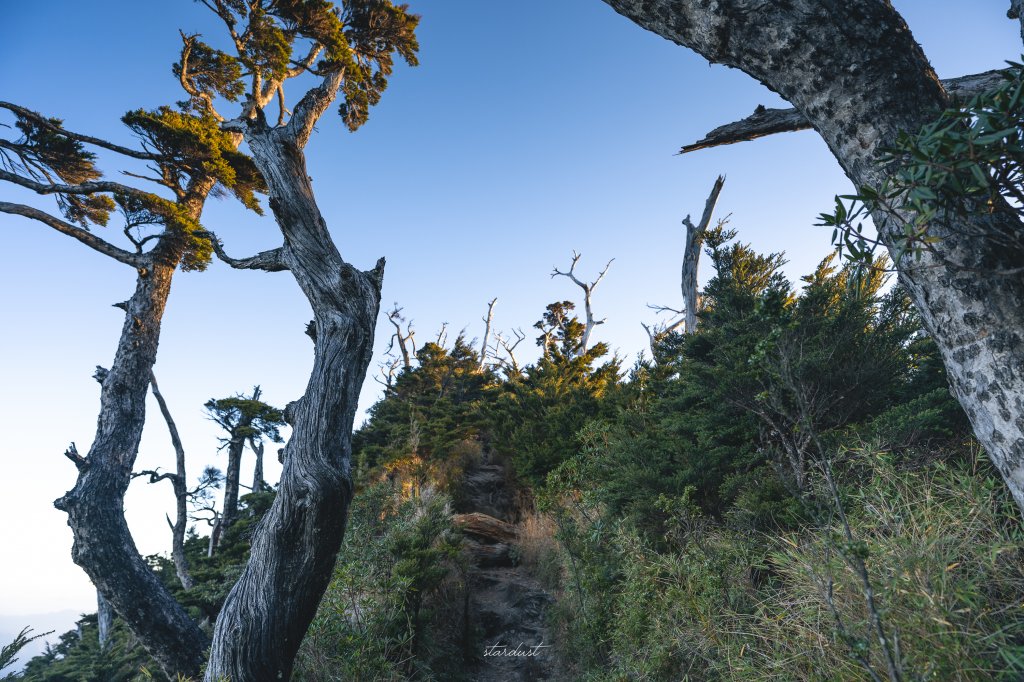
column 180, row 482
column 258, row 448
column 232, row 477
column 691, row 256
column 487, row 333
column 268, row 611
column 854, row 71
column 103, row 546
column 104, row 620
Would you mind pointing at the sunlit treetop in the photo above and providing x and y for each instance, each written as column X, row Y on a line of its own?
column 275, row 40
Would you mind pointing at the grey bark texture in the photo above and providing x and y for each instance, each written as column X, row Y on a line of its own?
column 266, row 614
column 691, row 256
column 771, row 121
column 104, row 620
column 103, row 545
column 855, row 72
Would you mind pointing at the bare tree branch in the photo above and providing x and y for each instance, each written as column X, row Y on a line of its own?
column 588, row 290
column 270, row 261
column 135, row 260
column 92, row 187
column 771, row 121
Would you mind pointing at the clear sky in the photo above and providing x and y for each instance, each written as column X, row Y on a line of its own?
column 532, row 128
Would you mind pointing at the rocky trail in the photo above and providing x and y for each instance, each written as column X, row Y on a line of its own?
column 507, row 603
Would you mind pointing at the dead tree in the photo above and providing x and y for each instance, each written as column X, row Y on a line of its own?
column 181, row 493
column 508, row 347
column 855, row 73
column 104, row 620
column 404, row 339
column 588, row 290
column 691, row 256
column 487, row 333
column 688, row 282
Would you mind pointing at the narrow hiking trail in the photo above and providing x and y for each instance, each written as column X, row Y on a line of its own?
column 507, row 604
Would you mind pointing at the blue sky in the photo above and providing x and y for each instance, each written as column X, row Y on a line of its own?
column 531, row 128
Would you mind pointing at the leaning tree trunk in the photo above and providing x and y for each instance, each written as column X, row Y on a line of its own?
column 103, row 545
column 268, row 611
column 856, row 73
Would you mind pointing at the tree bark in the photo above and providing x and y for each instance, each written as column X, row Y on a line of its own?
column 268, row 611
column 258, row 448
column 103, row 545
column 487, row 333
column 104, row 620
column 691, row 256
column 854, row 71
column 765, row 122
column 232, row 478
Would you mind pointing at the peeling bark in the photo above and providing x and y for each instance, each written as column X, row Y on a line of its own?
column 855, row 72
column 269, row 609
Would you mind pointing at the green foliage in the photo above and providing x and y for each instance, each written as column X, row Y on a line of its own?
column 430, row 409
column 536, row 416
column 9, row 652
column 968, row 161
column 45, row 154
column 359, row 37
column 246, row 417
column 194, row 145
column 711, row 603
column 394, row 607
column 77, row 656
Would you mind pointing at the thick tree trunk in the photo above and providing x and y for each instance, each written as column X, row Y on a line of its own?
column 856, row 73
column 268, row 611
column 95, row 506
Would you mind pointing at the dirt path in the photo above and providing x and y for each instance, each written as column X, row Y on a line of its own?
column 507, row 604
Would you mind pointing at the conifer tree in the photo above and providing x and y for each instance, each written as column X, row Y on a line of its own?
column 189, row 156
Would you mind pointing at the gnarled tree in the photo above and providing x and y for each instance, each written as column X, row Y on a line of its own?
column 188, row 156
column 854, row 72
column 349, row 49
